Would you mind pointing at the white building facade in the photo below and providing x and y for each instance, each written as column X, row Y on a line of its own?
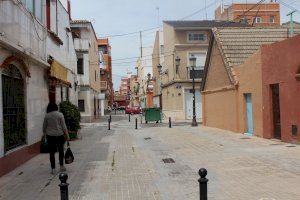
column 31, row 55
column 88, row 70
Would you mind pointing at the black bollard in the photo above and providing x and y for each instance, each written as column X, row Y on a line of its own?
column 170, row 122
column 110, row 117
column 136, row 123
column 64, row 193
column 115, row 111
column 129, row 117
column 203, row 184
column 109, row 120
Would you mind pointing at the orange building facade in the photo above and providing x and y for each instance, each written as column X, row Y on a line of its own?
column 265, row 14
column 106, row 73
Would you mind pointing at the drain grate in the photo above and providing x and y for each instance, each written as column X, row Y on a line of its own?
column 168, row 160
column 245, row 138
column 147, row 138
column 291, row 146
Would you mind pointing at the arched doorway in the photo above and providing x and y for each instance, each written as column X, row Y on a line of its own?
column 13, row 98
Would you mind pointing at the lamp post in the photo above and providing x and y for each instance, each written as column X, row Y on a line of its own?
column 193, row 64
column 159, row 68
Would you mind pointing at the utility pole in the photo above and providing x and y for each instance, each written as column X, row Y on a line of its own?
column 291, row 14
column 141, row 40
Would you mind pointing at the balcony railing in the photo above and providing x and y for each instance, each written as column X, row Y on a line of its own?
column 21, row 30
column 81, row 44
column 103, row 85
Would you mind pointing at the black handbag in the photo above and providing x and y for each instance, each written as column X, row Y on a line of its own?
column 69, row 157
column 44, row 147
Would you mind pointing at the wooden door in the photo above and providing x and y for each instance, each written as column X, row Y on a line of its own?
column 276, row 111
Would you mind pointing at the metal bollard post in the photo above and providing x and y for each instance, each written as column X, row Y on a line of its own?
column 129, row 117
column 115, row 111
column 109, row 120
column 203, row 184
column 170, row 122
column 64, row 193
column 110, row 117
column 136, row 123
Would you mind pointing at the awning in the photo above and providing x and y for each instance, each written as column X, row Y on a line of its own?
column 59, row 72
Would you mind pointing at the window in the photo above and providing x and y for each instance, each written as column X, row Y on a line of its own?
column 272, row 19
column 200, row 63
column 38, row 10
column 103, row 48
column 257, row 20
column 80, row 66
column 29, row 5
column 192, row 37
column 162, row 49
column 81, row 107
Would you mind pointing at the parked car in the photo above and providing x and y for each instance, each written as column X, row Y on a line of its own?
column 133, row 110
column 121, row 108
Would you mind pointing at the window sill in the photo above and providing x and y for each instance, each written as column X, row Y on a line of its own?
column 55, row 37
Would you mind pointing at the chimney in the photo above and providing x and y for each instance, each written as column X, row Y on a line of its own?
column 69, row 9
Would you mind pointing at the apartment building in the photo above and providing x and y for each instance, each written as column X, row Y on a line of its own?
column 263, row 14
column 183, row 40
column 104, row 49
column 37, row 65
column 88, row 69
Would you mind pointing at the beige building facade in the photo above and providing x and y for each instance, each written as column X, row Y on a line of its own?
column 181, row 41
column 88, row 69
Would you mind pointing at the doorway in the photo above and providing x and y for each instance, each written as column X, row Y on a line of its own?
column 249, row 113
column 14, row 118
column 189, row 104
column 276, row 111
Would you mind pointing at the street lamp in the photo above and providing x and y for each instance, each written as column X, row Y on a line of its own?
column 159, row 67
column 193, row 64
column 177, row 63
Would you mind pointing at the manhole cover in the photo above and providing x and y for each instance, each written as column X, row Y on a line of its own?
column 291, row 146
column 245, row 138
column 168, row 160
column 147, row 138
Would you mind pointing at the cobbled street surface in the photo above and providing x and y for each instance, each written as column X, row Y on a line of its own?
column 125, row 163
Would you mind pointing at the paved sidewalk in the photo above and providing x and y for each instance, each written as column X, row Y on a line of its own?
column 125, row 163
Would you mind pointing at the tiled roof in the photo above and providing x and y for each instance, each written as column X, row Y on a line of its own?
column 204, row 24
column 237, row 44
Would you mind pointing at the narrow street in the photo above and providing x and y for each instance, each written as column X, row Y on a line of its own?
column 125, row 163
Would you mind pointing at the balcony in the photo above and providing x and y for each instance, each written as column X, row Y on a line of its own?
column 20, row 31
column 81, row 44
column 103, row 85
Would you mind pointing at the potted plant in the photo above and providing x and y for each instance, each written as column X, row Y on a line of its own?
column 72, row 118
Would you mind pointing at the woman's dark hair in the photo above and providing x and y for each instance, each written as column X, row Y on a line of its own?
column 52, row 107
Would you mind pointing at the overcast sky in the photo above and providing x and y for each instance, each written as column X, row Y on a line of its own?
column 114, row 17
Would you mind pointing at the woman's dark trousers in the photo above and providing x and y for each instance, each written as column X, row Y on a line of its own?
column 56, row 143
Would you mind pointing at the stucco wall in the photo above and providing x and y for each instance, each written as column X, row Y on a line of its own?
column 281, row 61
column 250, row 82
column 219, row 104
column 220, row 110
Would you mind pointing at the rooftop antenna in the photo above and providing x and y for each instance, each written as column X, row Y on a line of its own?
column 291, row 14
column 157, row 8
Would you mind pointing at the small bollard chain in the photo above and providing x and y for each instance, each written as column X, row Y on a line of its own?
column 136, row 123
column 203, row 184
column 170, row 122
column 129, row 117
column 109, row 120
column 64, row 193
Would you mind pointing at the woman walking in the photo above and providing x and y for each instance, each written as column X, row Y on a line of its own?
column 56, row 132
